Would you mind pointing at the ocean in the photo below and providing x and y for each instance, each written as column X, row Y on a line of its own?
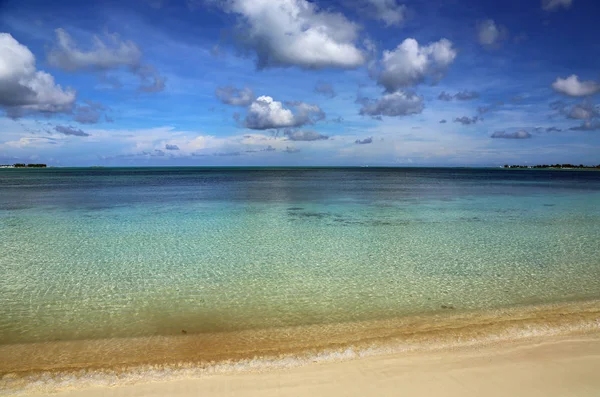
column 113, row 271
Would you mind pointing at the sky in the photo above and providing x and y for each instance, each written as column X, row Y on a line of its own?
column 297, row 82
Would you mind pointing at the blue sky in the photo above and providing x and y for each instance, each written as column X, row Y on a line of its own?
column 293, row 82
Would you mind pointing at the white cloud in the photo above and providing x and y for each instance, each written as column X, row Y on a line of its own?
column 554, row 5
column 23, row 88
column 297, row 33
column 301, row 135
column 583, row 111
column 391, row 141
column 572, row 86
column 66, row 55
column 306, row 113
column 398, row 103
column 30, row 142
column 103, row 56
column 579, row 113
column 410, row 64
column 388, row 11
column 265, row 113
column 588, row 125
column 489, row 33
column 180, row 143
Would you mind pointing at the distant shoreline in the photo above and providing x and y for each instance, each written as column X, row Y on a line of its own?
column 310, row 167
column 553, row 167
column 22, row 165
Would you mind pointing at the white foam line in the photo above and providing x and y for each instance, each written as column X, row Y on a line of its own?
column 49, row 382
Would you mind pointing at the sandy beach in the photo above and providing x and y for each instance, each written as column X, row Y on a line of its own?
column 560, row 366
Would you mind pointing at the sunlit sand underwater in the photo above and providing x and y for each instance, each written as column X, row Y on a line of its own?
column 192, row 267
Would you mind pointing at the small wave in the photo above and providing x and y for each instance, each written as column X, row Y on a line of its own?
column 465, row 330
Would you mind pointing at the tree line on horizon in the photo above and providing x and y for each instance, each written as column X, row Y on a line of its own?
column 23, row 165
column 552, row 166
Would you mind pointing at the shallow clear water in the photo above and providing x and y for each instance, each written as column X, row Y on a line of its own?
column 103, row 253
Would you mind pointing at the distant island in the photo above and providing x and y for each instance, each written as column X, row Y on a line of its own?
column 22, row 165
column 555, row 166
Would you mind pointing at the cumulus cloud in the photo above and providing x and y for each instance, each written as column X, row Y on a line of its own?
column 25, row 89
column 306, row 113
column 296, row 33
column 460, row 96
column 572, row 86
column 554, row 5
column 389, row 11
column 103, row 56
column 583, row 111
column 511, row 135
column 588, row 125
column 410, row 63
column 489, row 33
column 265, row 113
column 365, row 141
column 234, row 96
column 68, row 130
column 325, row 89
column 289, row 149
column 464, row 120
column 407, row 65
column 553, row 129
column 443, row 121
column 298, row 135
column 171, row 147
column 399, row 103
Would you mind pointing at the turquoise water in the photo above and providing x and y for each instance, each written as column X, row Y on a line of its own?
column 105, row 253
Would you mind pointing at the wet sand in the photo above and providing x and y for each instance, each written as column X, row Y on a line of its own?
column 427, row 342
column 559, row 366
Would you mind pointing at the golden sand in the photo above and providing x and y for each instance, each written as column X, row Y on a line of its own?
column 556, row 367
column 56, row 365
